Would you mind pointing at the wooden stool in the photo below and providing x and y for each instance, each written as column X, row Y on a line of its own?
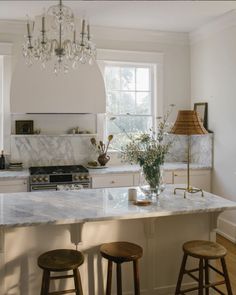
column 58, row 261
column 119, row 252
column 204, row 251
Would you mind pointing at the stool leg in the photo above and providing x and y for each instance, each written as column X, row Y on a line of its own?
column 109, row 278
column 181, row 274
column 77, row 280
column 136, row 277
column 118, row 278
column 200, row 291
column 45, row 282
column 226, row 275
column 207, row 275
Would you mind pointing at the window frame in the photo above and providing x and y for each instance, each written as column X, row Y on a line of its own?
column 152, row 59
column 135, row 65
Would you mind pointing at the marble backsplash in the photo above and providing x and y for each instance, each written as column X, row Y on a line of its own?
column 40, row 150
column 201, row 149
column 45, row 150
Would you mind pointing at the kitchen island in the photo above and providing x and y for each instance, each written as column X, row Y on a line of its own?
column 32, row 223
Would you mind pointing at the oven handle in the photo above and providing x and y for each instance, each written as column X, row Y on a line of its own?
column 44, row 187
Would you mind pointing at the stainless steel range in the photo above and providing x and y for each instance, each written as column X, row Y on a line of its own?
column 55, row 177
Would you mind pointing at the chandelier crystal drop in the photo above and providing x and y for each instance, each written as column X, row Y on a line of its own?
column 60, row 39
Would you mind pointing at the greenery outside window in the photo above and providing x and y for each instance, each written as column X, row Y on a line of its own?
column 130, row 100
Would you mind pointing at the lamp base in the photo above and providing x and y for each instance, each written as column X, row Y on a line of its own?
column 190, row 190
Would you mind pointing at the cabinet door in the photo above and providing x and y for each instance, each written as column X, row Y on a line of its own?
column 114, row 180
column 198, row 178
column 13, row 186
column 168, row 178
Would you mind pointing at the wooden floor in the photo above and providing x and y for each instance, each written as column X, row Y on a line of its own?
column 230, row 260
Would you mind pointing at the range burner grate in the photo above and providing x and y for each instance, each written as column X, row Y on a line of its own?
column 67, row 169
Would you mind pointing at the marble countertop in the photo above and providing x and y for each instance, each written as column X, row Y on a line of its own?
column 67, row 207
column 11, row 175
column 136, row 168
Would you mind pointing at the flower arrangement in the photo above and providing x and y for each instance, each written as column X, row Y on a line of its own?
column 149, row 151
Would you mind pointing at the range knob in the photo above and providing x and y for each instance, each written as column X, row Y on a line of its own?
column 34, row 179
column 40, row 179
column 81, row 177
column 86, row 177
column 45, row 179
column 76, row 177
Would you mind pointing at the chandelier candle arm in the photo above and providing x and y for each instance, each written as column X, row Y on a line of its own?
column 88, row 32
column 43, row 30
column 29, row 36
column 83, row 33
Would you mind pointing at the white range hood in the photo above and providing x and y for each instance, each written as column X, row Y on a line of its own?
column 37, row 90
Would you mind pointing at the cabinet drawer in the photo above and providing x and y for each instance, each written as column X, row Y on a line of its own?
column 112, row 180
column 13, row 182
column 11, row 186
column 168, row 177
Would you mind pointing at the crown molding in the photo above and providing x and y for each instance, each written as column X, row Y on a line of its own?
column 216, row 26
column 18, row 27
column 15, row 27
column 5, row 48
column 136, row 35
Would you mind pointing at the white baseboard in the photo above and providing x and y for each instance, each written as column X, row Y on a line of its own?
column 227, row 229
column 165, row 290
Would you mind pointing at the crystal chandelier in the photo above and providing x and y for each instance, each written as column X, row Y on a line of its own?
column 53, row 38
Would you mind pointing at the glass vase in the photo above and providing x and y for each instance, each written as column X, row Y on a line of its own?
column 151, row 180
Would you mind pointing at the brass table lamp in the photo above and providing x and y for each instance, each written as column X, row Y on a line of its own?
column 188, row 123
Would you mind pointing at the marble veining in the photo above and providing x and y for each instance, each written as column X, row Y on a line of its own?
column 51, row 150
column 65, row 207
column 201, row 149
column 40, row 150
column 8, row 174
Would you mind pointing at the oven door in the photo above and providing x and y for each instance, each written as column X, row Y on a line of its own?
column 59, row 187
column 43, row 187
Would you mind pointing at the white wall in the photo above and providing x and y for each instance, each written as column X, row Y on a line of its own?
column 213, row 80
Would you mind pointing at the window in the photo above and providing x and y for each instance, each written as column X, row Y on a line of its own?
column 130, row 100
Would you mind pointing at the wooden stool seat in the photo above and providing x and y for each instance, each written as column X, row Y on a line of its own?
column 204, row 249
column 61, row 260
column 120, row 252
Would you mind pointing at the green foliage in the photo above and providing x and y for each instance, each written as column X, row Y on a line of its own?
column 149, row 149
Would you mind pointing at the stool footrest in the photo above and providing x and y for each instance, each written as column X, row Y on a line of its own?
column 216, row 270
column 191, row 275
column 62, row 292
column 219, row 291
column 61, row 277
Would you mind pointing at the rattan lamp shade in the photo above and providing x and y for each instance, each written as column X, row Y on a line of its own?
column 188, row 123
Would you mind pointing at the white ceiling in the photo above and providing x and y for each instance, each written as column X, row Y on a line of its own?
column 176, row 16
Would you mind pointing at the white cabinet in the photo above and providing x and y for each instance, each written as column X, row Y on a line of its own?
column 13, row 186
column 168, row 178
column 113, row 180
column 198, row 178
